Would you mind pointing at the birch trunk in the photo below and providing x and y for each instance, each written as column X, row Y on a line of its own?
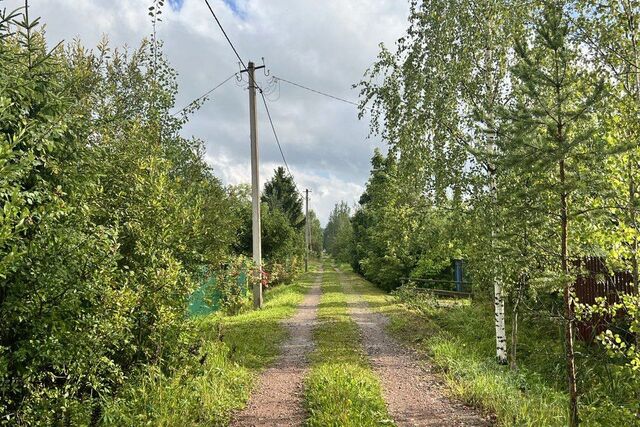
column 498, row 296
column 514, row 325
column 501, row 331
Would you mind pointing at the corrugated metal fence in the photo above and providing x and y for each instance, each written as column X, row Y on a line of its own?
column 595, row 281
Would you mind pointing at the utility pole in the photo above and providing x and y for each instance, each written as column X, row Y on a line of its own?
column 255, row 186
column 307, row 233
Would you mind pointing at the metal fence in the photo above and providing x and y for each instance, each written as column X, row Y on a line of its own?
column 206, row 298
column 596, row 281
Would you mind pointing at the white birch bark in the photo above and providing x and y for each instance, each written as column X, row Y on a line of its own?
column 501, row 331
column 498, row 297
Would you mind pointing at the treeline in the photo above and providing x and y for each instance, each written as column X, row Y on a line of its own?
column 108, row 216
column 513, row 144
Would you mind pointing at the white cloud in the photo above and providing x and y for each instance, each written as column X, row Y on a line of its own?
column 322, row 44
column 326, row 191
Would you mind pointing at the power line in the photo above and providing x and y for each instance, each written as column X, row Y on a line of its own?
column 205, row 94
column 230, row 42
column 225, row 33
column 275, row 134
column 316, row 91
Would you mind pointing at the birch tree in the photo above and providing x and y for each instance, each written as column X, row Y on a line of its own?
column 438, row 103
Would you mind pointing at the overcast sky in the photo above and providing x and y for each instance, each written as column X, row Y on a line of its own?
column 326, row 45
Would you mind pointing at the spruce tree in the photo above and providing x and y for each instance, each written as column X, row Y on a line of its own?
column 280, row 193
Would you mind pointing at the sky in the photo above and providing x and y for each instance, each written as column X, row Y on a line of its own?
column 326, row 45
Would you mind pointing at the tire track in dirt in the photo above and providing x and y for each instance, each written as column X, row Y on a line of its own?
column 413, row 394
column 277, row 399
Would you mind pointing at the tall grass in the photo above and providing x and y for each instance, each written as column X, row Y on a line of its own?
column 459, row 339
column 206, row 387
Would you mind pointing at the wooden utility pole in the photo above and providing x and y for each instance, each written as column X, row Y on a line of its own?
column 255, row 186
column 307, row 232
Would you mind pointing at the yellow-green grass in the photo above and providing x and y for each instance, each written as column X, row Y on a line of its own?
column 206, row 388
column 455, row 338
column 341, row 389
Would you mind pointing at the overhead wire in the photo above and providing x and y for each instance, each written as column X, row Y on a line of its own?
column 264, row 100
column 229, row 41
column 204, row 95
column 275, row 135
column 315, row 91
column 225, row 33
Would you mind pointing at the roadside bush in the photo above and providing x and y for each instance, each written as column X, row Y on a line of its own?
column 233, row 284
column 201, row 390
column 283, row 273
column 107, row 215
column 408, row 294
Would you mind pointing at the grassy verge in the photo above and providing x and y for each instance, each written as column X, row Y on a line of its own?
column 459, row 338
column 206, row 387
column 341, row 389
column 468, row 370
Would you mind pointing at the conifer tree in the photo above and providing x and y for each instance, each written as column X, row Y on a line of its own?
column 280, row 193
column 551, row 139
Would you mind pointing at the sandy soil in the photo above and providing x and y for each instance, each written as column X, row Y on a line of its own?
column 413, row 393
column 277, row 399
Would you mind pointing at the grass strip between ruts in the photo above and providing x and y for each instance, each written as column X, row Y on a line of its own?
column 341, row 389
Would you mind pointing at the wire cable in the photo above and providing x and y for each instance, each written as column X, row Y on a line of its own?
column 316, row 91
column 230, row 42
column 264, row 100
column 201, row 97
column 225, row 33
column 275, row 134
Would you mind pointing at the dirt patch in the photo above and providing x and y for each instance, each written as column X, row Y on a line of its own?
column 277, row 399
column 413, row 393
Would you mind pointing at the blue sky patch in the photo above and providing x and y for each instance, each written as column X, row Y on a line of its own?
column 176, row 4
column 235, row 8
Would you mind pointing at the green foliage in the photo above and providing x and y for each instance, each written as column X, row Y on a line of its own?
column 282, row 231
column 283, row 274
column 280, row 193
column 337, row 239
column 620, row 339
column 408, row 294
column 233, row 284
column 202, row 391
column 107, row 216
column 341, row 390
column 204, row 386
column 512, row 139
column 460, row 341
column 398, row 234
column 316, row 234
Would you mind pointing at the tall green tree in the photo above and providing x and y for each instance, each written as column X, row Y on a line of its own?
column 436, row 106
column 553, row 139
column 108, row 217
column 316, row 233
column 280, row 193
column 338, row 233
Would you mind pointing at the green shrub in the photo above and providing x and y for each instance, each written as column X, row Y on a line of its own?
column 107, row 215
column 204, row 390
column 233, row 283
column 409, row 294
